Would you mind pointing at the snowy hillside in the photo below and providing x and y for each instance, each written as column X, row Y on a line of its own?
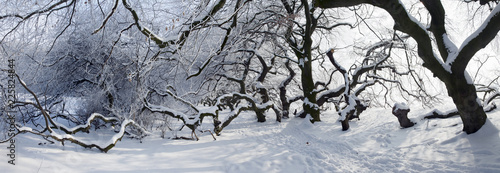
column 375, row 143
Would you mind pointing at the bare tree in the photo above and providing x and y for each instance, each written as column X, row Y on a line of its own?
column 299, row 37
column 450, row 66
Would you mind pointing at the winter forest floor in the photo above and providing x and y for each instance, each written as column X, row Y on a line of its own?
column 375, row 143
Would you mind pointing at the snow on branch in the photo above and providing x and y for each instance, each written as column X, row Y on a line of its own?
column 218, row 6
column 445, row 45
column 67, row 137
column 324, row 96
column 440, row 114
column 453, row 112
column 406, row 23
column 159, row 41
column 195, row 120
column 181, row 37
column 350, row 97
column 252, row 106
column 168, row 92
column 477, row 40
column 50, row 123
column 347, row 111
column 38, row 106
column 69, row 131
column 191, row 121
column 50, row 9
column 375, row 59
column 86, row 126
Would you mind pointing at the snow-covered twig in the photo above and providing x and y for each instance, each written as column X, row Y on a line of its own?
column 66, row 137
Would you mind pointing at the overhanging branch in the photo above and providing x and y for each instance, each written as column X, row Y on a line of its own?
column 478, row 40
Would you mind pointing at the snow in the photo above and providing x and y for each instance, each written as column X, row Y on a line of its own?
column 210, row 109
column 188, row 119
column 310, row 104
column 301, row 62
column 451, row 47
column 349, row 108
column 25, row 129
column 401, row 106
column 454, row 51
column 330, row 91
column 206, row 11
column 494, row 12
column 151, row 33
column 445, row 65
column 89, row 120
column 375, row 143
column 119, row 134
column 258, row 85
column 478, row 101
column 415, row 20
column 468, row 78
column 264, row 106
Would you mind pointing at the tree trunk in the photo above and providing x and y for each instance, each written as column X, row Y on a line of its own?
column 402, row 114
column 261, row 117
column 284, row 100
column 345, row 124
column 277, row 113
column 463, row 94
column 286, row 108
column 310, row 106
column 468, row 105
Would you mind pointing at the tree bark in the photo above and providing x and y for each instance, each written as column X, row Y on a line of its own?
column 284, row 100
column 310, row 106
column 261, row 117
column 402, row 115
column 468, row 105
column 345, row 124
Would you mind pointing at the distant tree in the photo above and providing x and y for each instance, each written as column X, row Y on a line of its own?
column 450, row 66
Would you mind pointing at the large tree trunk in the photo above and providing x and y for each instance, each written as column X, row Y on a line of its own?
column 468, row 105
column 463, row 94
column 310, row 106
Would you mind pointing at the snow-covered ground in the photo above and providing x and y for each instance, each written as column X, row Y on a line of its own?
column 375, row 143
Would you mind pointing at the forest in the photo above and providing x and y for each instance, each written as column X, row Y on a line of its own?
column 259, row 85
